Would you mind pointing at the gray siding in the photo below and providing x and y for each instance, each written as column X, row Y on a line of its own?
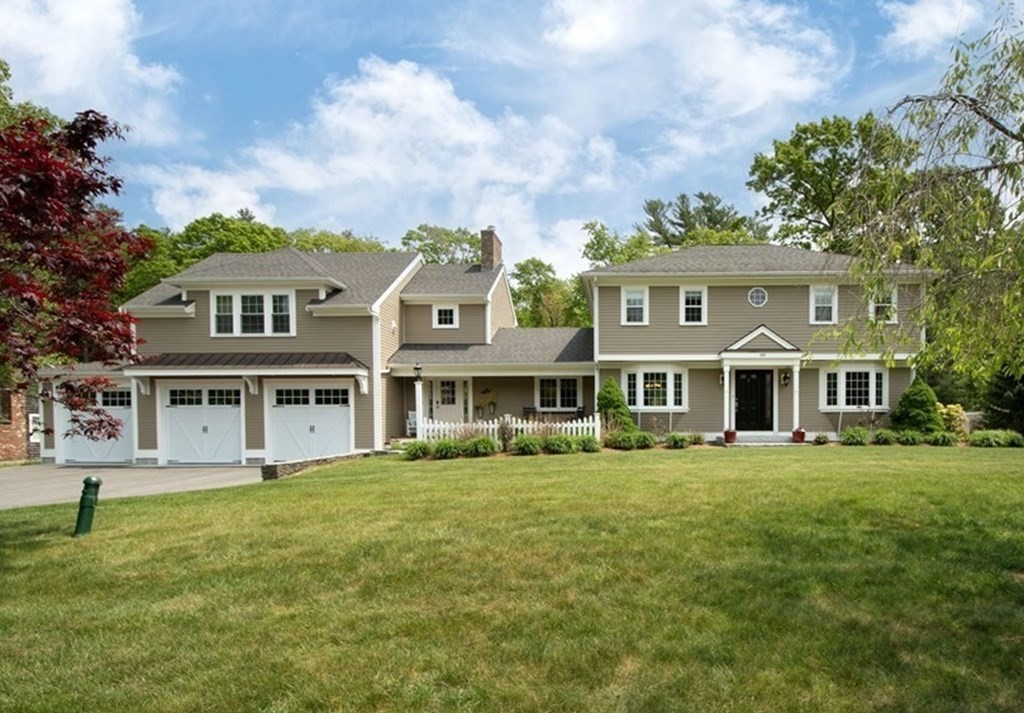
column 419, row 329
column 48, row 438
column 147, row 419
column 730, row 317
column 254, row 431
column 312, row 334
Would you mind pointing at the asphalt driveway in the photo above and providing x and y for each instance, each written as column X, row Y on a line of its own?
column 24, row 485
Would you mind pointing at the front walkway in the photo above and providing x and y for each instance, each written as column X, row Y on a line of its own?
column 26, row 485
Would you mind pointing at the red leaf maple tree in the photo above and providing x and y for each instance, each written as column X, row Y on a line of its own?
column 62, row 257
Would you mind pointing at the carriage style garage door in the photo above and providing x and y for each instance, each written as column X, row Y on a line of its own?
column 203, row 424
column 310, row 422
column 116, row 402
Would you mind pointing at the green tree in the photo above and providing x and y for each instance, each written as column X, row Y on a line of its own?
column 807, row 178
column 148, row 271
column 606, row 247
column 918, row 409
column 961, row 214
column 443, row 245
column 218, row 233
column 707, row 220
column 312, row 240
column 12, row 112
column 542, row 299
column 611, row 404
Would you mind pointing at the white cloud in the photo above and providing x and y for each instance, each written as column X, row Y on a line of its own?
column 396, row 142
column 72, row 56
column 922, row 27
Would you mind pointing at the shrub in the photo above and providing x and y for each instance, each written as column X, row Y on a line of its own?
column 417, row 449
column 505, row 434
column 943, row 438
column 821, row 439
column 588, row 444
column 918, row 410
column 479, row 447
column 696, row 438
column 447, row 448
column 526, row 445
column 611, row 404
column 954, row 419
column 884, row 437
column 855, row 436
column 620, row 440
column 677, row 440
column 645, row 439
column 910, row 438
column 996, row 438
column 558, row 444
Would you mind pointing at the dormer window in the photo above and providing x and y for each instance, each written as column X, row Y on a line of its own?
column 446, row 316
column 249, row 314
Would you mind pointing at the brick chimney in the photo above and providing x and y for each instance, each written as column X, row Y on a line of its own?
column 490, row 248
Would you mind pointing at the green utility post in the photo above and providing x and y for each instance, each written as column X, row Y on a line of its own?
column 87, row 505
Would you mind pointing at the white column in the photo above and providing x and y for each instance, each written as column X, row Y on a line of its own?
column 418, row 389
column 796, row 396
column 726, row 398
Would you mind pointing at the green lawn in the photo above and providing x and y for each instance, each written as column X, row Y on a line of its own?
column 773, row 579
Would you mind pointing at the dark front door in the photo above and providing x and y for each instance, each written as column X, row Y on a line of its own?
column 754, row 400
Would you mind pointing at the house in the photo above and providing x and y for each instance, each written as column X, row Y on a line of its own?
column 256, row 358
column 745, row 338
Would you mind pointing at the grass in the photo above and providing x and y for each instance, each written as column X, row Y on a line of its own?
column 846, row 579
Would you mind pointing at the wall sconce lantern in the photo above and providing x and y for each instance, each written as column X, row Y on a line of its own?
column 721, row 378
column 417, row 372
column 786, row 378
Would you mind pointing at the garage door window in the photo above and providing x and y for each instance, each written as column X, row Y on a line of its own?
column 224, row 397
column 185, row 397
column 331, row 397
column 122, row 398
column 291, row 397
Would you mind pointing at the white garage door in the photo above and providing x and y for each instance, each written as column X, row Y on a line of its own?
column 116, row 402
column 310, row 422
column 203, row 425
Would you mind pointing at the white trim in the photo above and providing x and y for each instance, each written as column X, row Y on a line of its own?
column 558, row 389
column 227, row 284
column 762, row 331
column 646, row 306
column 673, row 372
column 236, row 312
column 841, row 371
column 154, row 312
column 596, row 292
column 268, row 389
column 703, row 289
column 476, row 298
column 447, row 370
column 226, row 372
column 378, row 401
column 435, row 308
column 894, row 307
column 835, row 304
column 417, row 262
column 750, row 296
column 803, row 356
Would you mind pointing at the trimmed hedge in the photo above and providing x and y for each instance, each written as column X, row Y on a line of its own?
column 418, row 449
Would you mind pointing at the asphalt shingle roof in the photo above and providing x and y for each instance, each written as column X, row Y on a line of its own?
column 365, row 276
column 509, row 346
column 734, row 260
column 434, row 280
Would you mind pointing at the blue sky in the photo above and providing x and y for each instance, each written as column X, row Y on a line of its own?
column 531, row 116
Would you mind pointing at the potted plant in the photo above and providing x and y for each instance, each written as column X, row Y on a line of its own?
column 730, row 435
column 799, row 434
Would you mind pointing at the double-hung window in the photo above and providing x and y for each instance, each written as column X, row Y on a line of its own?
column 558, row 394
column 253, row 314
column 824, row 304
column 854, row 387
column 882, row 307
column 656, row 387
column 693, row 305
column 634, row 305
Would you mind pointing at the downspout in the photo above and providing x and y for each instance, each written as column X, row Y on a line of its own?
column 378, row 401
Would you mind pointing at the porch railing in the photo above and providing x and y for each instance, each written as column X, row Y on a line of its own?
column 585, row 426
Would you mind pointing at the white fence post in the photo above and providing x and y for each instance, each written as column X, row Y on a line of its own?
column 432, row 430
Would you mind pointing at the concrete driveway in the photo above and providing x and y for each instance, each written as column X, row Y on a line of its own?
column 24, row 485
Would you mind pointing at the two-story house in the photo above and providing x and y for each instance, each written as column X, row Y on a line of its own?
column 745, row 338
column 254, row 358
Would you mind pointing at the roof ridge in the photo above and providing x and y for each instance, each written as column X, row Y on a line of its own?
column 317, row 267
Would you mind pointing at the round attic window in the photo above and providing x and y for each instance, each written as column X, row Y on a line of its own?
column 758, row 297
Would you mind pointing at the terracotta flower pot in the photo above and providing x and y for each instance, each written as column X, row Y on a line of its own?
column 798, row 435
column 730, row 436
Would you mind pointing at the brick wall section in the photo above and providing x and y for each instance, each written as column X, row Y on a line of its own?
column 14, row 435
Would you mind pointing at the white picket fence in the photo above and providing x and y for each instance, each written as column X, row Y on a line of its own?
column 586, row 426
